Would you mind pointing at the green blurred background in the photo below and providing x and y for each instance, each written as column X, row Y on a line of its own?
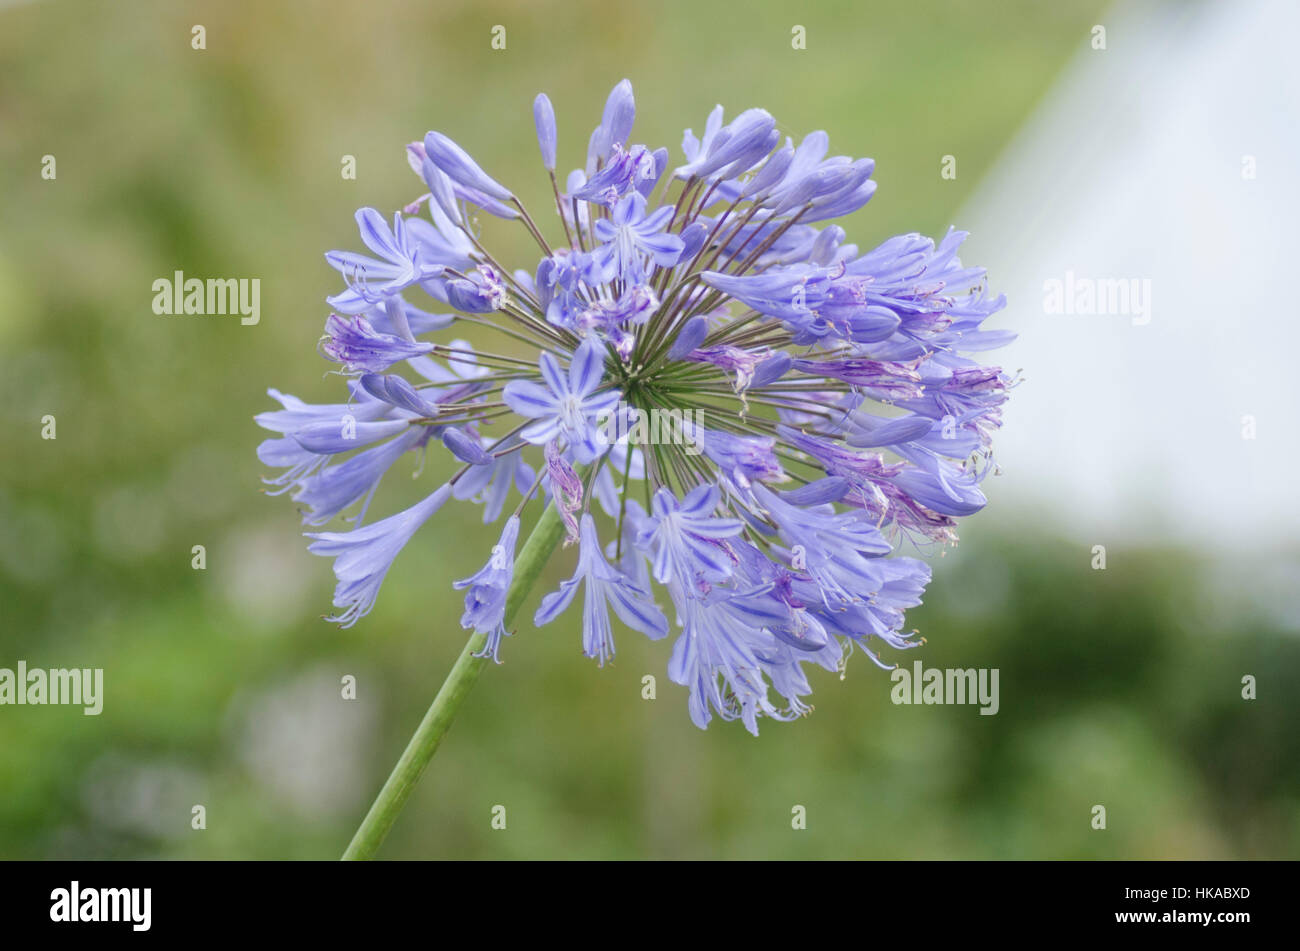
column 1119, row 688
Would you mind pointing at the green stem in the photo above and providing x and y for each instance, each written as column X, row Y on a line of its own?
column 428, row 736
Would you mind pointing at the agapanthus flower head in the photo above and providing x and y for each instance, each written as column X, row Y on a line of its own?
column 764, row 415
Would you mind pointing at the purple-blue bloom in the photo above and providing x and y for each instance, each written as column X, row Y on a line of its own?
column 566, row 406
column 769, row 421
column 686, row 537
column 630, row 236
column 606, row 587
column 544, row 120
column 485, row 602
column 363, row 556
column 625, row 172
column 402, row 261
column 354, row 343
column 456, row 164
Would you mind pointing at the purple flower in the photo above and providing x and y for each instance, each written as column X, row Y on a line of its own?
column 629, row 236
column 729, row 150
column 625, row 172
column 566, row 407
column 314, row 435
column 355, row 344
column 615, row 125
column 445, row 191
column 792, row 410
column 560, row 287
column 879, row 380
column 685, row 537
column 370, row 281
column 565, row 489
column 481, row 293
column 690, row 335
column 789, row 293
column 397, row 318
column 363, row 556
column 744, row 363
column 606, row 587
column 740, row 459
column 617, row 319
column 721, row 658
column 485, row 602
column 833, row 547
column 544, row 119
column 455, row 163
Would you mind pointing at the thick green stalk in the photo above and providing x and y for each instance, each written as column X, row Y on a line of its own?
column 428, row 736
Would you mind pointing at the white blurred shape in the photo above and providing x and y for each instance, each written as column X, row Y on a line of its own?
column 264, row 575
column 1132, row 168
column 306, row 744
column 151, row 798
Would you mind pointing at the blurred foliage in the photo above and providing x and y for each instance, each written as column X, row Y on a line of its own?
column 1119, row 687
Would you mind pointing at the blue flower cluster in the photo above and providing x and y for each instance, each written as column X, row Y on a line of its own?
column 824, row 408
